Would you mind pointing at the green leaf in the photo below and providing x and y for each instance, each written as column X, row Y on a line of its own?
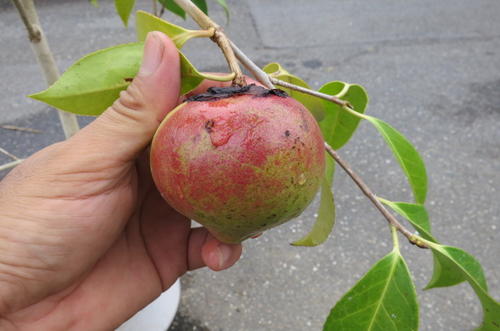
column 124, row 8
column 407, row 156
column 94, row 3
column 417, row 215
column 224, row 5
column 190, row 76
column 326, row 213
column 94, row 82
column 338, row 126
column 312, row 103
column 470, row 269
column 384, row 299
column 202, row 4
column 170, row 5
column 146, row 22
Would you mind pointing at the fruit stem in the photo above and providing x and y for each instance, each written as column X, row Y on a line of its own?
column 414, row 239
column 219, row 38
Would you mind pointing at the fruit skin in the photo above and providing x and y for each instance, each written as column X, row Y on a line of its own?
column 238, row 165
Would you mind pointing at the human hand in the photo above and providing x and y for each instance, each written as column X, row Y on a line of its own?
column 85, row 238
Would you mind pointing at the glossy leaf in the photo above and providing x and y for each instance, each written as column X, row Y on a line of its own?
column 146, row 22
column 417, row 215
column 338, row 126
column 470, row 269
column 326, row 213
column 171, row 6
column 407, row 156
column 124, row 8
column 314, row 104
column 224, row 5
column 94, row 82
column 384, row 299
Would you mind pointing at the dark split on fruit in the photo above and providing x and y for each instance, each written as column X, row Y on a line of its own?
column 216, row 93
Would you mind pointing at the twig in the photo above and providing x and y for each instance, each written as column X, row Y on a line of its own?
column 205, row 22
column 10, row 165
column 257, row 72
column 17, row 128
column 372, row 197
column 12, row 156
column 340, row 102
column 33, row 32
column 44, row 56
column 219, row 38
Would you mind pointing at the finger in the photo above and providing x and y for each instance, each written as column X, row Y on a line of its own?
column 126, row 127
column 219, row 256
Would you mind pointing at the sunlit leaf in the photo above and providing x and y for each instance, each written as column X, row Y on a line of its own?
column 326, row 213
column 146, row 22
column 124, row 8
column 407, row 156
column 384, row 299
column 338, row 126
column 470, row 269
column 314, row 104
column 94, row 82
column 191, row 77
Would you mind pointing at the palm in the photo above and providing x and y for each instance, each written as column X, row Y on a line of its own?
column 136, row 238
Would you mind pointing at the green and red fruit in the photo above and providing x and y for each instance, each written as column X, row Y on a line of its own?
column 238, row 160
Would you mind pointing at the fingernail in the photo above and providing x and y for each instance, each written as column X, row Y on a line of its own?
column 225, row 253
column 153, row 54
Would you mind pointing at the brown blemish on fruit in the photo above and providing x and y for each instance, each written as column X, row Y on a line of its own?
column 209, row 125
column 287, row 133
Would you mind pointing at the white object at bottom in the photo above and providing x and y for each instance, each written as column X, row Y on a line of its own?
column 158, row 315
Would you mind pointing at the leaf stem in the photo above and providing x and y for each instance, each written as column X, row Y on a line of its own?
column 414, row 239
column 218, row 78
column 219, row 38
column 395, row 239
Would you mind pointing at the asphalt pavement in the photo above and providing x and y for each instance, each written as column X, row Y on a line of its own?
column 432, row 70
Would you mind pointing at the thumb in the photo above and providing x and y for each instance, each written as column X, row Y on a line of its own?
column 126, row 127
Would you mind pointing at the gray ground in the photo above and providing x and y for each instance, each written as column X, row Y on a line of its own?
column 432, row 69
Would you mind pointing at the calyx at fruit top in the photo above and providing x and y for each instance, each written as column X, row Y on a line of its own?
column 216, row 93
